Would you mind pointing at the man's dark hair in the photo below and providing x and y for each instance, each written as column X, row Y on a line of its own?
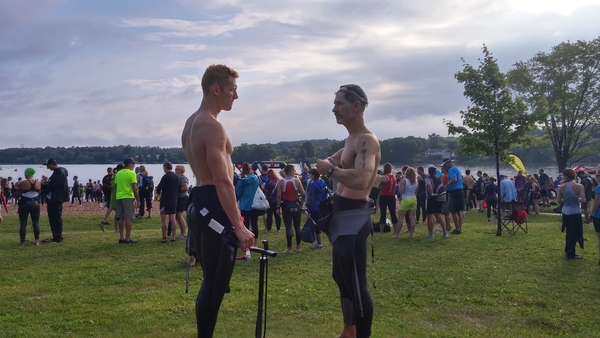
column 168, row 165
column 467, row 172
column 109, row 170
column 315, row 173
column 264, row 167
column 119, row 167
column 353, row 93
column 288, row 169
column 128, row 161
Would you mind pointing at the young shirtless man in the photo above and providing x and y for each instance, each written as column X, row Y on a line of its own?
column 213, row 216
column 354, row 167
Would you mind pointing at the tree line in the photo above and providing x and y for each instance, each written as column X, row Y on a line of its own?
column 398, row 151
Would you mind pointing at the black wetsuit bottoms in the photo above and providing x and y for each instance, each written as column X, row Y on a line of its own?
column 291, row 218
column 29, row 206
column 350, row 269
column 216, row 244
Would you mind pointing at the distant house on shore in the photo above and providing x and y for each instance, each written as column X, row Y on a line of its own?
column 438, row 154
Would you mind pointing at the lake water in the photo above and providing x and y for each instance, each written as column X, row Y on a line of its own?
column 97, row 171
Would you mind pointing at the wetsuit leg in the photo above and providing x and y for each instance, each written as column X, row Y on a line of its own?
column 287, row 221
column 217, row 255
column 296, row 219
column 349, row 256
column 23, row 215
column 35, row 219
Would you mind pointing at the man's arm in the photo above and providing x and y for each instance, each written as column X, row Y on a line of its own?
column 582, row 198
column 337, row 158
column 135, row 192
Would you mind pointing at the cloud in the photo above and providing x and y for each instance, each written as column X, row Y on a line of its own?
column 88, row 76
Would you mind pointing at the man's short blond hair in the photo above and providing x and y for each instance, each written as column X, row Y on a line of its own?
column 217, row 74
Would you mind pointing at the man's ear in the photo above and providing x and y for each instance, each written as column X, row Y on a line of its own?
column 215, row 89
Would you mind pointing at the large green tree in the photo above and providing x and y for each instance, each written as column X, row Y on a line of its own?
column 564, row 86
column 495, row 122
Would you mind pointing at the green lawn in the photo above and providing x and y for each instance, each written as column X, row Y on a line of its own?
column 474, row 284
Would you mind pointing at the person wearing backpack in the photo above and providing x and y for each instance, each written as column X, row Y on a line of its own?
column 245, row 189
column 270, row 189
column 316, row 193
column 146, row 188
column 387, row 197
column 288, row 190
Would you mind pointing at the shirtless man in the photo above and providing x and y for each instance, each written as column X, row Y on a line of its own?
column 354, row 167
column 469, row 182
column 213, row 216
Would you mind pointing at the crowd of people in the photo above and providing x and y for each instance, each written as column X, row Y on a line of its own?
column 339, row 196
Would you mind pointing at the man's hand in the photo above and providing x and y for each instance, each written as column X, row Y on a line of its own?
column 322, row 166
column 245, row 237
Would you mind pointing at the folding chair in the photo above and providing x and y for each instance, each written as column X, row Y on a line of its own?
column 515, row 218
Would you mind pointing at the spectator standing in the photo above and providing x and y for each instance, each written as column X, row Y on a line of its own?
column 146, row 188
column 75, row 194
column 571, row 195
column 544, row 181
column 169, row 189
column 126, row 197
column 245, row 189
column 28, row 192
column 454, row 189
column 57, row 192
column 520, row 186
column 387, row 197
column 271, row 194
column 288, row 190
column 588, row 187
column 182, row 200
column 316, row 193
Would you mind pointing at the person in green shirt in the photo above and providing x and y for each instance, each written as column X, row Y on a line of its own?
column 127, row 198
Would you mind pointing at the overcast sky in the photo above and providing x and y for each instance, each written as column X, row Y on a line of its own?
column 89, row 73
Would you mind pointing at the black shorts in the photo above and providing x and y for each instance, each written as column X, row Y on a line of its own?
column 182, row 203
column 433, row 206
column 168, row 210
column 456, row 200
column 543, row 193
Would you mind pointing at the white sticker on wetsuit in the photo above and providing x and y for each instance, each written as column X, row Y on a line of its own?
column 216, row 226
column 204, row 211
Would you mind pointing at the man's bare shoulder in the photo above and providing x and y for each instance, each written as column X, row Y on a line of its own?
column 202, row 124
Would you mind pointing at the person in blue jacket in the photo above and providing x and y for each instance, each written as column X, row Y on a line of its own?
column 245, row 188
column 316, row 193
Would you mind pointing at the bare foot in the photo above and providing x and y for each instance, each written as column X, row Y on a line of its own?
column 289, row 250
column 37, row 242
column 394, row 236
column 22, row 243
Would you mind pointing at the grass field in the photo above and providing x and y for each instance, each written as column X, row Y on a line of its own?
column 469, row 285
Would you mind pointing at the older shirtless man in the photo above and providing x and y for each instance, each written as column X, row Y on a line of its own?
column 354, row 167
column 213, row 216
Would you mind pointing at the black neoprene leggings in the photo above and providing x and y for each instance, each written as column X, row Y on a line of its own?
column 349, row 254
column 289, row 219
column 28, row 207
column 385, row 203
column 217, row 255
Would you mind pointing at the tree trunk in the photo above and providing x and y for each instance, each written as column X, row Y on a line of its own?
column 498, row 212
